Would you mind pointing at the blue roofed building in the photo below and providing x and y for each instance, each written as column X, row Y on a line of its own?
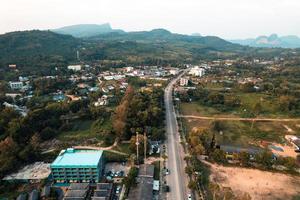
column 74, row 165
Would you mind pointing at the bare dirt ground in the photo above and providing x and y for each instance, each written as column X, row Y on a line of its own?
column 260, row 185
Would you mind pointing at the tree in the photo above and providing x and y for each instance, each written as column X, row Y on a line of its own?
column 265, row 158
column 219, row 156
column 244, row 158
column 119, row 121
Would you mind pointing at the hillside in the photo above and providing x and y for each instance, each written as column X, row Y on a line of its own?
column 36, row 48
column 41, row 51
column 159, row 44
column 85, row 30
column 271, row 41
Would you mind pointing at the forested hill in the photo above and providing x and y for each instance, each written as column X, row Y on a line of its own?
column 36, row 48
column 36, row 51
column 159, row 45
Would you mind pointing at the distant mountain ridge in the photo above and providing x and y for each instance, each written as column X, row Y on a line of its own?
column 85, row 30
column 290, row 41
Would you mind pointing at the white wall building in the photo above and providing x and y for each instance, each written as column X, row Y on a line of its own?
column 174, row 71
column 197, row 71
column 74, row 67
column 184, row 82
column 16, row 85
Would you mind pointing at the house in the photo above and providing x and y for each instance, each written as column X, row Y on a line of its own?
column 16, row 85
column 103, row 191
column 230, row 151
column 103, row 101
column 74, row 67
column 294, row 140
column 174, row 72
column 34, row 195
column 78, row 191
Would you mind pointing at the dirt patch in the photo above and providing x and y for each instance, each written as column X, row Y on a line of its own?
column 258, row 184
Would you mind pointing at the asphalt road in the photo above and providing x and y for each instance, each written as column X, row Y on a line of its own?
column 177, row 179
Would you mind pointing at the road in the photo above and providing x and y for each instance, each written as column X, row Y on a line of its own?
column 177, row 179
column 241, row 119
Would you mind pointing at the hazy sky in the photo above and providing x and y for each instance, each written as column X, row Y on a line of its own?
column 225, row 18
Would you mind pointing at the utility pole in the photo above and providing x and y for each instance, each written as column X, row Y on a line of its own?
column 145, row 149
column 137, row 148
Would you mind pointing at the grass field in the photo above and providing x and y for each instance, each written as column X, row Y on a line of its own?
column 85, row 129
column 245, row 133
column 269, row 107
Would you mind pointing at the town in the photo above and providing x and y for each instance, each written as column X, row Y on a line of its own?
column 85, row 160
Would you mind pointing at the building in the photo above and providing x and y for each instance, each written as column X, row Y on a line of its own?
column 74, row 67
column 16, row 85
column 184, row 82
column 78, row 191
column 294, row 140
column 103, row 191
column 74, row 165
column 197, row 71
column 144, row 189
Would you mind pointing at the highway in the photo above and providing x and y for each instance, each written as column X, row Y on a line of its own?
column 177, row 179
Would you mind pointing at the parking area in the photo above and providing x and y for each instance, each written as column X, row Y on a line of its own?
column 116, row 171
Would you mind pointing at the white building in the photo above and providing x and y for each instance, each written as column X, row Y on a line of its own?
column 197, row 71
column 16, row 85
column 174, row 71
column 184, row 82
column 74, row 67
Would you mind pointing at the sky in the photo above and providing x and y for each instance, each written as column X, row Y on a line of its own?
column 229, row 19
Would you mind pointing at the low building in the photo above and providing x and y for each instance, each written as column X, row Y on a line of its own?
column 74, row 67
column 77, row 191
column 144, row 189
column 16, row 85
column 103, row 191
column 74, row 165
column 294, row 140
column 230, row 151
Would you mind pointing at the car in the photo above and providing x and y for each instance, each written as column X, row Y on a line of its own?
column 118, row 189
column 167, row 172
column 166, row 188
column 189, row 197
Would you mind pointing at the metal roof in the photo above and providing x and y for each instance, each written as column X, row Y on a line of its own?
column 77, row 158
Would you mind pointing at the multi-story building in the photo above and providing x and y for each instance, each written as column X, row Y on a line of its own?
column 184, row 82
column 74, row 165
column 197, row 71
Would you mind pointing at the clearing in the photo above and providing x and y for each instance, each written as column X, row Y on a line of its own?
column 258, row 184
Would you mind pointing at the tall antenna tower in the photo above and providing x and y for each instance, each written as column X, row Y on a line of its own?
column 145, row 149
column 77, row 55
column 137, row 148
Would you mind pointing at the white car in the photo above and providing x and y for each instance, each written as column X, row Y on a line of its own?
column 189, row 197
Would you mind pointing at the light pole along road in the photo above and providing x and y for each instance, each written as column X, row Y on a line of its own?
column 177, row 179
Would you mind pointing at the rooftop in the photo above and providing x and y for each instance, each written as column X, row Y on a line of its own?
column 78, row 158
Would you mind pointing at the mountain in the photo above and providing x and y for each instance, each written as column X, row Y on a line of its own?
column 158, row 46
column 86, row 30
column 273, row 40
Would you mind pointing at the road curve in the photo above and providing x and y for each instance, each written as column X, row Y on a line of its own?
column 177, row 179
